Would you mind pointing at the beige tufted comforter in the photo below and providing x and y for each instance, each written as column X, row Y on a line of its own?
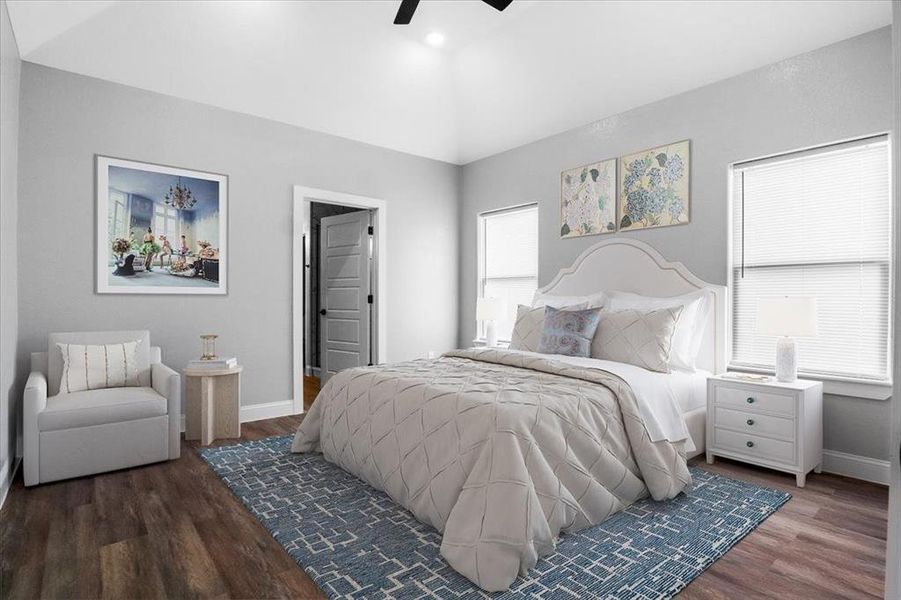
column 499, row 451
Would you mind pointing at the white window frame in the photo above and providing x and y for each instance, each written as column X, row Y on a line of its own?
column 480, row 258
column 165, row 213
column 120, row 208
column 832, row 384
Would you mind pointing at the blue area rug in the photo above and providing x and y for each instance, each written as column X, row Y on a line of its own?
column 355, row 542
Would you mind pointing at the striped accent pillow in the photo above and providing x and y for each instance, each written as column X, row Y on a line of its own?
column 95, row 367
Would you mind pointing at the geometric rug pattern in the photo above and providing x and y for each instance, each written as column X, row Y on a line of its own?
column 355, row 542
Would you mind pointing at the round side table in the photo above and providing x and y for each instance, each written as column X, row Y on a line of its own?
column 213, row 404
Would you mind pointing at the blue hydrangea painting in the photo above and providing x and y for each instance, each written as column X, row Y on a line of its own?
column 654, row 187
column 588, row 199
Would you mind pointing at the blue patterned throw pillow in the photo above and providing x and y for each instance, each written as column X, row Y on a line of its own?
column 568, row 332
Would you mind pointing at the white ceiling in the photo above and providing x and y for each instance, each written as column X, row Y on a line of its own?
column 501, row 80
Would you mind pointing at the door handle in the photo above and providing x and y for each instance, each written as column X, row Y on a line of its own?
column 322, row 311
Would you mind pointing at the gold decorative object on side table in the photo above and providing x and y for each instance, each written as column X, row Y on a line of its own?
column 209, row 346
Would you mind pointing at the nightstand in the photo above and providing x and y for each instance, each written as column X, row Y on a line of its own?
column 771, row 424
column 213, row 404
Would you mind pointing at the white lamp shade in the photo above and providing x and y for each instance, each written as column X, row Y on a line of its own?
column 489, row 309
column 791, row 316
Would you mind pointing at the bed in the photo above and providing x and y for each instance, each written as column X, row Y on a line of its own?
column 503, row 450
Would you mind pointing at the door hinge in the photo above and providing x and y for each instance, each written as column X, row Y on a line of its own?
column 369, row 299
column 371, row 230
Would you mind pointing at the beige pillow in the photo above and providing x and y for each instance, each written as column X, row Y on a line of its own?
column 643, row 338
column 529, row 325
column 91, row 367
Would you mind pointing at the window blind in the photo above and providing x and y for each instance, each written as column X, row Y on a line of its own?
column 508, row 261
column 816, row 223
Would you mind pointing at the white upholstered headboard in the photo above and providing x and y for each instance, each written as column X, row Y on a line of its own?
column 629, row 265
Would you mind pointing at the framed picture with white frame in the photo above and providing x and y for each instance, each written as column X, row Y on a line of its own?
column 160, row 229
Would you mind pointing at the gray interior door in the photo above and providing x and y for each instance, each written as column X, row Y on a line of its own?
column 344, row 288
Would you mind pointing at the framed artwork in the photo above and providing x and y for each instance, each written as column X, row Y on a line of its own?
column 160, row 230
column 654, row 187
column 588, row 199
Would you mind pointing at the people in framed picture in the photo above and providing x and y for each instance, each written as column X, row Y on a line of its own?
column 140, row 208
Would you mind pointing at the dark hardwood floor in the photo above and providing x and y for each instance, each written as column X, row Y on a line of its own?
column 310, row 390
column 173, row 530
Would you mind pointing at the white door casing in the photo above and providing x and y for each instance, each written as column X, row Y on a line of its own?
column 344, row 290
column 303, row 196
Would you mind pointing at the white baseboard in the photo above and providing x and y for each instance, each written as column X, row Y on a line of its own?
column 858, row 467
column 269, row 410
column 6, row 477
column 258, row 412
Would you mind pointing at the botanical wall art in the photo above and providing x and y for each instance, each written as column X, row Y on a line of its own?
column 160, row 230
column 588, row 199
column 654, row 187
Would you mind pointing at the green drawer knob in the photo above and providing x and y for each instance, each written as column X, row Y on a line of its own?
column 750, row 400
column 750, row 444
column 750, row 421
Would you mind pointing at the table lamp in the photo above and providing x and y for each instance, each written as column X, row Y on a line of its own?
column 488, row 310
column 787, row 317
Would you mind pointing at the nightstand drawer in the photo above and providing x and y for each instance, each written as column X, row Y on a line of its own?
column 755, row 400
column 748, row 422
column 755, row 446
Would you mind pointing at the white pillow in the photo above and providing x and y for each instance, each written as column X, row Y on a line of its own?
column 596, row 300
column 689, row 328
column 92, row 367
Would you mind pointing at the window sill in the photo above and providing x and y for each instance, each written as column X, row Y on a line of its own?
column 837, row 386
column 483, row 343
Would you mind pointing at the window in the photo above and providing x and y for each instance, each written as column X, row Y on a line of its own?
column 165, row 221
column 508, row 261
column 117, row 218
column 816, row 223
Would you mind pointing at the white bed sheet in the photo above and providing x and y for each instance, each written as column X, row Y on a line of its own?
column 662, row 397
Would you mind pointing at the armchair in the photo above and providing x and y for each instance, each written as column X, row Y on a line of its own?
column 82, row 433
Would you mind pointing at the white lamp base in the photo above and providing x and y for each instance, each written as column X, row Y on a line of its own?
column 490, row 334
column 786, row 359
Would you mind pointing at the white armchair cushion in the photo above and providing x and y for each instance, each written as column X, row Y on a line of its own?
column 94, row 367
column 98, row 407
column 55, row 358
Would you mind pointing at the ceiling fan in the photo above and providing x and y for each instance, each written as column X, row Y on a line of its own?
column 408, row 7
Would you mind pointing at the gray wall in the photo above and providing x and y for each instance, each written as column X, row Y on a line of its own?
column 9, row 147
column 66, row 119
column 833, row 93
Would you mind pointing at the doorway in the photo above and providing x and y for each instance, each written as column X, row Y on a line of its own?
column 340, row 272
column 339, row 306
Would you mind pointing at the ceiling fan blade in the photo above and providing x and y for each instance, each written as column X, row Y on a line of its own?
column 498, row 4
column 405, row 12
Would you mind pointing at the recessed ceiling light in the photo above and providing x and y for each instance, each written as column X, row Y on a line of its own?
column 435, row 39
